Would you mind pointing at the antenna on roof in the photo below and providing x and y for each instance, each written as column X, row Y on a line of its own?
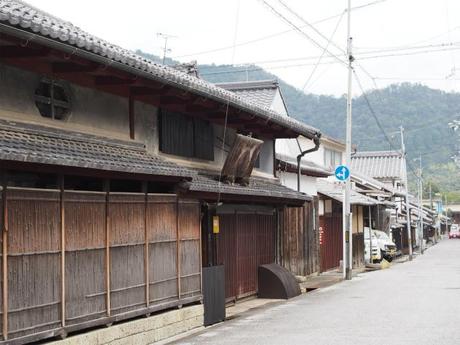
column 166, row 37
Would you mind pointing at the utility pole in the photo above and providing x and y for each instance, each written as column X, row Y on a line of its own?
column 166, row 37
column 370, row 236
column 420, row 202
column 431, row 209
column 347, row 255
column 409, row 235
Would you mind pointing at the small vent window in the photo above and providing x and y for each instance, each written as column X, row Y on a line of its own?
column 52, row 99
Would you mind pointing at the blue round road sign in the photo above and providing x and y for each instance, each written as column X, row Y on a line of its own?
column 342, row 173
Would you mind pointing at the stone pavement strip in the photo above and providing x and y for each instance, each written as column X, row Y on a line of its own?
column 414, row 302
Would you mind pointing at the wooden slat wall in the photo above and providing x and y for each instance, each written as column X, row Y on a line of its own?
column 127, row 240
column 227, row 251
column 162, row 241
column 143, row 247
column 3, row 232
column 245, row 241
column 189, row 247
column 33, row 261
column 85, row 256
column 300, row 239
column 331, row 248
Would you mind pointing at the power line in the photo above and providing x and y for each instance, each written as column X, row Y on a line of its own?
column 322, row 54
column 299, row 30
column 377, row 121
column 262, row 68
column 444, row 46
column 298, row 16
column 276, row 34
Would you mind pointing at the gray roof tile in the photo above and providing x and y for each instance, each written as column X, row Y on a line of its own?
column 257, row 187
column 260, row 92
column 45, row 146
column 335, row 192
column 379, row 164
column 30, row 20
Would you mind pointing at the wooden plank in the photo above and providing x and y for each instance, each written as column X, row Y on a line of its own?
column 5, row 262
column 162, row 236
column 34, row 226
column 107, row 247
column 146, row 248
column 131, row 116
column 178, row 249
column 62, row 221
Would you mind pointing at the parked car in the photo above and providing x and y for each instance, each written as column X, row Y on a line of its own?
column 454, row 231
column 382, row 246
column 376, row 254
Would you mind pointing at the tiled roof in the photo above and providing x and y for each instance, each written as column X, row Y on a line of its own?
column 379, row 164
column 335, row 192
column 20, row 19
column 367, row 180
column 259, row 187
column 260, row 92
column 307, row 167
column 37, row 145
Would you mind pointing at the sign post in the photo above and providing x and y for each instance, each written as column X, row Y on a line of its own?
column 342, row 173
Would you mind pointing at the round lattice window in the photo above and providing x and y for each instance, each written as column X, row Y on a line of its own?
column 52, row 99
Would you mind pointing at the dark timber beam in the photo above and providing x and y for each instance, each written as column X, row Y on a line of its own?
column 17, row 52
column 131, row 117
column 107, row 80
column 69, row 67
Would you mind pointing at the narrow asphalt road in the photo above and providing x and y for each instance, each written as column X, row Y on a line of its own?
column 414, row 302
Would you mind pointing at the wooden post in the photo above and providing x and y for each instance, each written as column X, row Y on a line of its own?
column 107, row 246
column 146, row 250
column 131, row 117
column 5, row 260
column 178, row 249
column 62, row 209
column 200, row 217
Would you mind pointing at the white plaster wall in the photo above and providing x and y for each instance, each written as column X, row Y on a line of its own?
column 99, row 113
column 278, row 104
column 307, row 183
column 92, row 112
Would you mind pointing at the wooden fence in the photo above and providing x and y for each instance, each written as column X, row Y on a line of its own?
column 300, row 239
column 73, row 259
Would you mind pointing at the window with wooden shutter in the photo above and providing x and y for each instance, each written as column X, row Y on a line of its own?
column 52, row 99
column 186, row 136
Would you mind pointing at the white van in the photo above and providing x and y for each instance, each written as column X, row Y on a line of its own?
column 382, row 246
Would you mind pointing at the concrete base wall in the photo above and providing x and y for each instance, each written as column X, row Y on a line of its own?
column 143, row 331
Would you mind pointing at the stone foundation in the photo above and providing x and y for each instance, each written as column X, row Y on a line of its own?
column 142, row 331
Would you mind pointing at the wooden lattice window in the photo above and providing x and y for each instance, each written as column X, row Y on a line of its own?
column 52, row 99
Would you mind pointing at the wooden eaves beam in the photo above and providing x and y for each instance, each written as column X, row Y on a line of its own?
column 69, row 67
column 18, row 52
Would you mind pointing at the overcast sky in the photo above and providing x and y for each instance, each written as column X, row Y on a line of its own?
column 203, row 25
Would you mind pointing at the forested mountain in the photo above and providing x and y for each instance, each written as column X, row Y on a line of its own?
column 422, row 111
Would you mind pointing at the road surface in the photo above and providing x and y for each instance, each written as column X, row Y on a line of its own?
column 414, row 302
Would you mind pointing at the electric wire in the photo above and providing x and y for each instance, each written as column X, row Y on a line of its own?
column 237, row 18
column 276, row 34
column 445, row 47
column 379, row 125
column 322, row 54
column 298, row 16
column 300, row 31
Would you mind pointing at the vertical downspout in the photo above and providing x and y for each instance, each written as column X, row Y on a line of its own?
column 303, row 153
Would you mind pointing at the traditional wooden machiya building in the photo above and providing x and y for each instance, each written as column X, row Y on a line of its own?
column 112, row 171
column 298, row 247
